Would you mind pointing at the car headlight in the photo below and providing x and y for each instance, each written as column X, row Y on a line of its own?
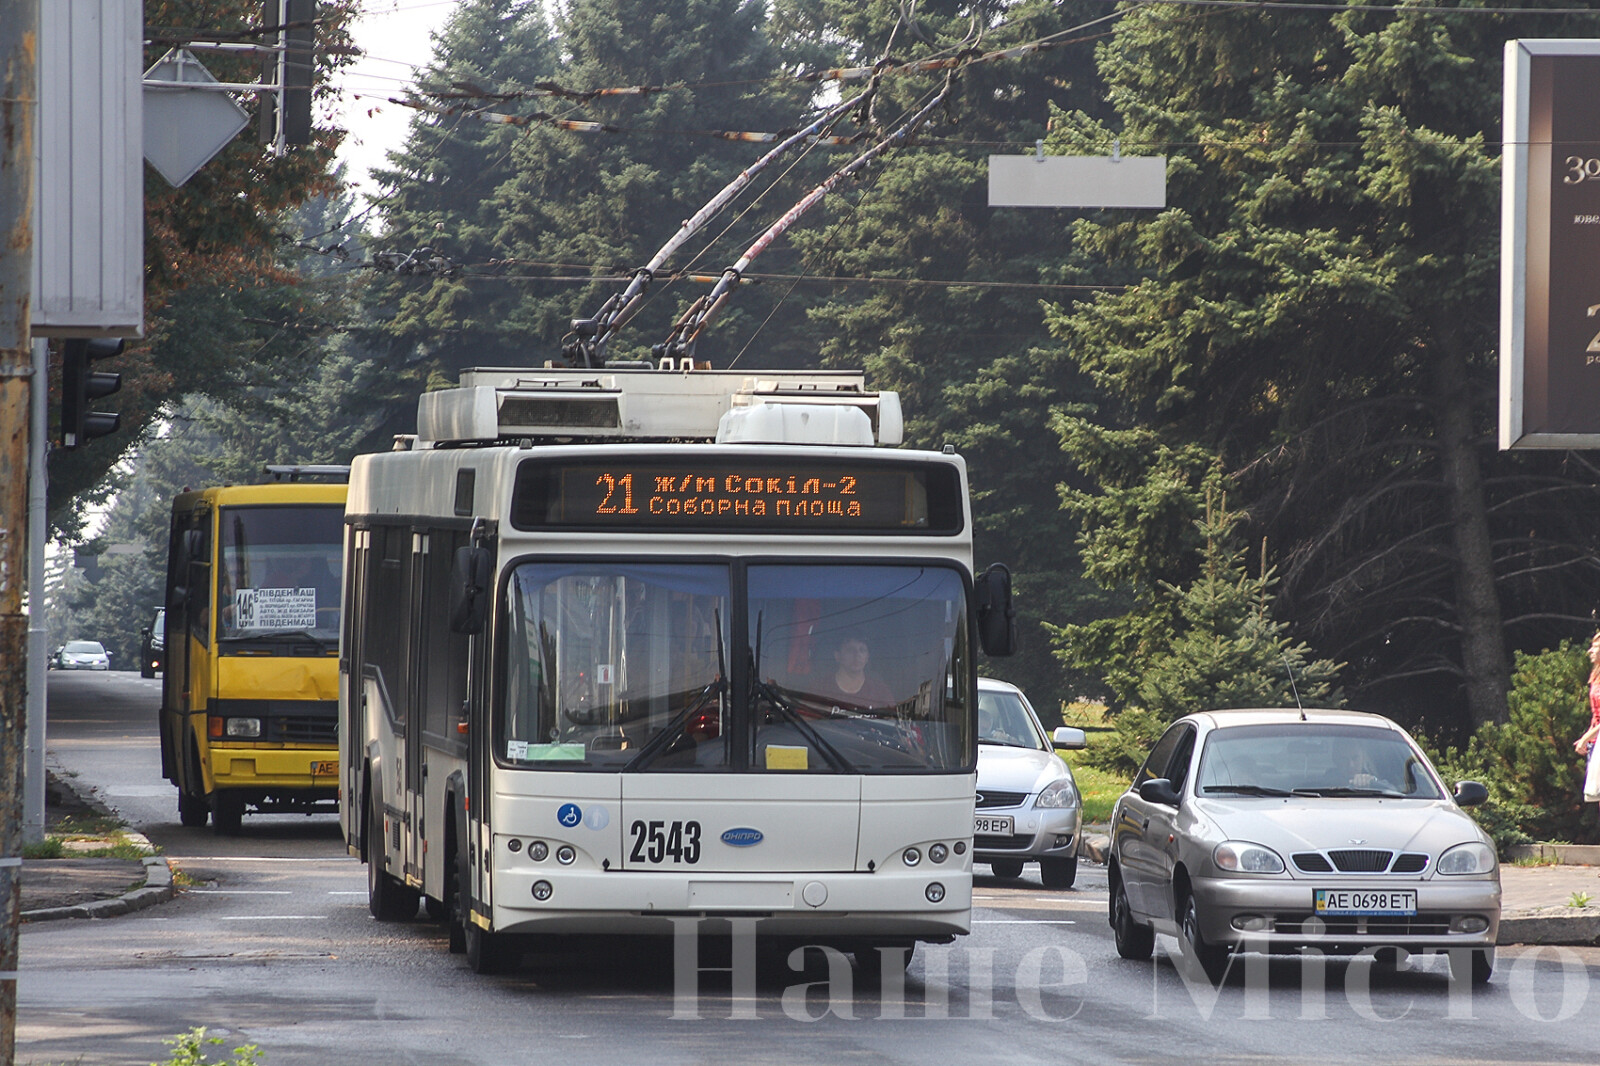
column 1473, row 858
column 1058, row 794
column 1241, row 856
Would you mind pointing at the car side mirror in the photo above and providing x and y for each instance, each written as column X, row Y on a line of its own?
column 1070, row 737
column 471, row 574
column 145, row 633
column 1159, row 790
column 1470, row 794
column 997, row 618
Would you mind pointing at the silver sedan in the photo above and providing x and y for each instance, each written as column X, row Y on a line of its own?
column 1285, row 830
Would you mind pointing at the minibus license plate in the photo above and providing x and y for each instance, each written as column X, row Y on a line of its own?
column 328, row 766
column 985, row 825
column 1359, row 901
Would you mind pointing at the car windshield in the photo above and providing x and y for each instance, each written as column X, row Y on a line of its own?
column 84, row 647
column 1313, row 759
column 1004, row 719
column 631, row 667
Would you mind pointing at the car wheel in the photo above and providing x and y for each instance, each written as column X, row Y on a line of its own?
column 387, row 899
column 1059, row 873
column 1476, row 965
column 1213, row 958
column 192, row 810
column 227, row 813
column 1134, row 941
column 1006, row 868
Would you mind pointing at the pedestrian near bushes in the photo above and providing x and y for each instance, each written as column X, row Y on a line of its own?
column 1586, row 744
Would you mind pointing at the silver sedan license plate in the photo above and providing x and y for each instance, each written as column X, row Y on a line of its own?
column 987, row 825
column 1364, row 901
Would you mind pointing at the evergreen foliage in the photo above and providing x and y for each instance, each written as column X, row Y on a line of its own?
column 1317, row 313
column 1534, row 777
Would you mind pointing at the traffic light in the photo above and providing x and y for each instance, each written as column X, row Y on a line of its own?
column 290, row 68
column 79, row 385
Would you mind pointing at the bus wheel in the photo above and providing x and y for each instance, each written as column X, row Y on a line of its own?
column 489, row 952
column 227, row 813
column 387, row 899
column 192, row 810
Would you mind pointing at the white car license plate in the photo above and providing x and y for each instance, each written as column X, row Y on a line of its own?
column 986, row 825
column 1364, row 901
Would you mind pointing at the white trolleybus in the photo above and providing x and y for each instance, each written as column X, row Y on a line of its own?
column 628, row 647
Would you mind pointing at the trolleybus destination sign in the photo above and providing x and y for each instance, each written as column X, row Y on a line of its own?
column 738, row 493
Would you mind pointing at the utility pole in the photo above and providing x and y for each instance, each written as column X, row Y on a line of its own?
column 19, row 54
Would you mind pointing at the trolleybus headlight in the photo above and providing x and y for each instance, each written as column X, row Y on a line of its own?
column 938, row 853
column 934, row 892
column 912, row 856
column 538, row 851
column 514, row 845
column 565, row 855
column 542, row 890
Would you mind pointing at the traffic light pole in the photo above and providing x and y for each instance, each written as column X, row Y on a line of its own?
column 19, row 90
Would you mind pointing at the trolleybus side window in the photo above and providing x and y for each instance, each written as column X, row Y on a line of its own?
column 616, row 666
column 854, row 668
column 443, row 653
column 383, row 643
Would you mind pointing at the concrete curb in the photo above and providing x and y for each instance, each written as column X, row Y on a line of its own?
column 157, row 887
column 1572, row 930
column 1561, row 854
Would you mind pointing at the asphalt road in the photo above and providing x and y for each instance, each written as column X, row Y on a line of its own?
column 272, row 946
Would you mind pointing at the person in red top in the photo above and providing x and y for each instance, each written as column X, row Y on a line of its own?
column 1586, row 743
column 850, row 686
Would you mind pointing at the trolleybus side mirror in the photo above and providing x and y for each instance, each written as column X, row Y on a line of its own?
column 997, row 618
column 470, row 578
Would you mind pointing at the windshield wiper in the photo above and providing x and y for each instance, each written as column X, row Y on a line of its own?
column 279, row 635
column 1248, row 790
column 1008, row 744
column 661, row 740
column 1350, row 790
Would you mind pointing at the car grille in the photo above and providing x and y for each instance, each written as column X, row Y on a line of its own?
column 307, row 729
column 999, row 843
column 990, row 798
column 1353, row 861
column 1307, row 924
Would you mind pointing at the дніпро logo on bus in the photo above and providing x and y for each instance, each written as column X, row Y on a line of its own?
column 742, row 837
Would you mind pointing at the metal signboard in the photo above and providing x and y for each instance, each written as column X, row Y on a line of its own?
column 184, row 127
column 88, row 263
column 1550, row 246
column 1077, row 181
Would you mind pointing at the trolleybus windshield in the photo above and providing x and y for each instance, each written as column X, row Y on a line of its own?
column 844, row 668
column 279, row 575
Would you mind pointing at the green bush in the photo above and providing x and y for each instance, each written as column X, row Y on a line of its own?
column 188, row 1049
column 1535, row 779
column 1121, row 750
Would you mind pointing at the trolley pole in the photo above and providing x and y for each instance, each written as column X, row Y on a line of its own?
column 19, row 56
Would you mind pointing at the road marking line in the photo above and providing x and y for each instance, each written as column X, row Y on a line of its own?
column 274, row 918
column 240, row 891
column 1023, row 921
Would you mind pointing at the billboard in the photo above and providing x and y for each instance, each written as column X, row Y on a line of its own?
column 1550, row 246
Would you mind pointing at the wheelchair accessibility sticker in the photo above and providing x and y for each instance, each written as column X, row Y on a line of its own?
column 569, row 815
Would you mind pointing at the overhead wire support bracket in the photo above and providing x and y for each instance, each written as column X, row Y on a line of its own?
column 686, row 331
column 590, row 336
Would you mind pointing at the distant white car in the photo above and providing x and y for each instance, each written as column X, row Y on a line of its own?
column 84, row 655
column 1028, row 804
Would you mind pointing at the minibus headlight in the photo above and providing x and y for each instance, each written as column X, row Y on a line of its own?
column 247, row 728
